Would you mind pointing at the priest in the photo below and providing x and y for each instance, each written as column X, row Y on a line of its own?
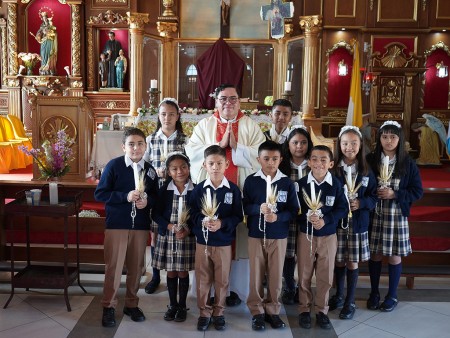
column 240, row 136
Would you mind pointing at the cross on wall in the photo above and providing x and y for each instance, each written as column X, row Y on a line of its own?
column 276, row 12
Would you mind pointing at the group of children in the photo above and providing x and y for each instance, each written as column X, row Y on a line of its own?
column 329, row 212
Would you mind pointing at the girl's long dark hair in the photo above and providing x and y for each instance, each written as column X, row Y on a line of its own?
column 178, row 125
column 374, row 158
column 285, row 165
column 363, row 167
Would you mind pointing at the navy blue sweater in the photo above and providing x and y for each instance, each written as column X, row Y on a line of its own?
column 287, row 206
column 335, row 206
column 116, row 182
column 162, row 211
column 229, row 212
column 367, row 196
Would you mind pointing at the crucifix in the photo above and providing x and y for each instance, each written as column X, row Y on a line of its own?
column 276, row 12
column 225, row 18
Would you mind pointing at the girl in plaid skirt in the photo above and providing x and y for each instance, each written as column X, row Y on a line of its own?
column 295, row 150
column 352, row 234
column 175, row 245
column 167, row 138
column 389, row 233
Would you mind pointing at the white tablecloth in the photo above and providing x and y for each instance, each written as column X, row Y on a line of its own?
column 107, row 145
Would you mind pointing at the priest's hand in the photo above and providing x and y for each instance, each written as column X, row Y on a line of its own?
column 233, row 143
column 225, row 142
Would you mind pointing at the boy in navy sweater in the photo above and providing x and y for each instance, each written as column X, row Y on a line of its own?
column 317, row 242
column 214, row 236
column 268, row 227
column 126, row 235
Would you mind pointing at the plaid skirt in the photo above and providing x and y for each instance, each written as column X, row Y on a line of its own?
column 352, row 247
column 174, row 255
column 389, row 234
column 291, row 247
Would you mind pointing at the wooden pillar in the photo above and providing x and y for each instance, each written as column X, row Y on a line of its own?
column 136, row 61
column 279, row 71
column 76, row 81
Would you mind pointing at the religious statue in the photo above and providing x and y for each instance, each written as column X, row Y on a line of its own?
column 121, row 68
column 225, row 6
column 112, row 47
column 48, row 39
column 103, row 66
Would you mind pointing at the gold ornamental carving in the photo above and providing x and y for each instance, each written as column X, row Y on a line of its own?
column 340, row 44
column 76, row 44
column 76, row 84
column 394, row 56
column 424, row 5
column 107, row 18
column 311, row 24
column 117, row 1
column 3, row 103
column 168, row 4
column 90, row 58
column 53, row 124
column 371, row 5
column 439, row 45
column 12, row 38
column 391, row 91
column 137, row 20
column 167, row 29
column 4, row 64
column 13, row 83
column 390, row 116
column 111, row 105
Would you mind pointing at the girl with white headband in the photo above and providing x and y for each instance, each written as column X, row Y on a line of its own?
column 399, row 185
column 353, row 232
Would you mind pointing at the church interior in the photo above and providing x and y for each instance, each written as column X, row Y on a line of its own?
column 95, row 67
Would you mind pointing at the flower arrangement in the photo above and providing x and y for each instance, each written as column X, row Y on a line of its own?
column 29, row 60
column 54, row 157
column 144, row 110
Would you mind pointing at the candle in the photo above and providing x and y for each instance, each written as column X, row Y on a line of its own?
column 53, row 192
column 268, row 188
column 349, row 175
column 180, row 208
column 136, row 175
column 386, row 165
column 165, row 149
column 153, row 84
column 287, row 86
column 208, row 198
column 313, row 192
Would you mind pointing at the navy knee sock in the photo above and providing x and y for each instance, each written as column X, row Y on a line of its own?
column 172, row 286
column 352, row 280
column 395, row 272
column 183, row 291
column 154, row 270
column 375, row 272
column 288, row 272
column 339, row 274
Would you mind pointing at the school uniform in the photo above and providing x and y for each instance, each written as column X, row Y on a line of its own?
column 125, row 241
column 172, row 254
column 213, row 249
column 267, row 248
column 320, row 253
column 353, row 233
column 272, row 135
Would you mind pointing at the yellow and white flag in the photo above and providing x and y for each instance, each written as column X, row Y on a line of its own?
column 354, row 112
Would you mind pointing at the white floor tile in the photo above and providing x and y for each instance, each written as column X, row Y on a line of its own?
column 366, row 331
column 41, row 329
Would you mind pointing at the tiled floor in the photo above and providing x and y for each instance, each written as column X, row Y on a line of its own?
column 423, row 312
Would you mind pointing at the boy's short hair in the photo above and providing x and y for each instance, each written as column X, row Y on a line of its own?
column 132, row 131
column 322, row 147
column 283, row 103
column 270, row 146
column 215, row 150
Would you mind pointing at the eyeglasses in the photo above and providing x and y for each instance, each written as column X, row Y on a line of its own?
column 231, row 99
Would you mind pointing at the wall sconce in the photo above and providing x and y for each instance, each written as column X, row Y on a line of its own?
column 367, row 80
column 342, row 68
column 442, row 70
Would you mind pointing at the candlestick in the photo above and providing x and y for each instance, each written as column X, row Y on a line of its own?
column 268, row 188
column 313, row 191
column 386, row 165
column 153, row 84
column 208, row 198
column 180, row 208
column 136, row 175
column 53, row 192
column 287, row 86
column 165, row 149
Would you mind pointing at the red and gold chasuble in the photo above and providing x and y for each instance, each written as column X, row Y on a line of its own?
column 232, row 172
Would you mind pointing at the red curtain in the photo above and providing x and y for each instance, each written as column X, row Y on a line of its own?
column 218, row 65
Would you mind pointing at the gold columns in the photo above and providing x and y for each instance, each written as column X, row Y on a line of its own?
column 136, row 22
column 4, row 57
column 12, row 37
column 279, row 71
column 76, row 87
column 311, row 26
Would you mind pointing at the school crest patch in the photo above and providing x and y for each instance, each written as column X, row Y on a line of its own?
column 282, row 196
column 329, row 201
column 151, row 173
column 365, row 181
column 228, row 198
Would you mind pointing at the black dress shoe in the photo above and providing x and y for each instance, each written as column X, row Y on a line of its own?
column 373, row 303
column 203, row 323
column 233, row 299
column 304, row 320
column 335, row 302
column 274, row 321
column 323, row 321
column 171, row 312
column 347, row 311
column 288, row 297
column 135, row 313
column 258, row 323
column 152, row 286
column 388, row 304
column 181, row 315
column 219, row 322
column 108, row 318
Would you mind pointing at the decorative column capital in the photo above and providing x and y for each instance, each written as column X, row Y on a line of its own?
column 311, row 25
column 167, row 29
column 137, row 20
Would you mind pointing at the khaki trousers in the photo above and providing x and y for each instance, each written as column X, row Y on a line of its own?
column 212, row 269
column 268, row 261
column 123, row 247
column 322, row 260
